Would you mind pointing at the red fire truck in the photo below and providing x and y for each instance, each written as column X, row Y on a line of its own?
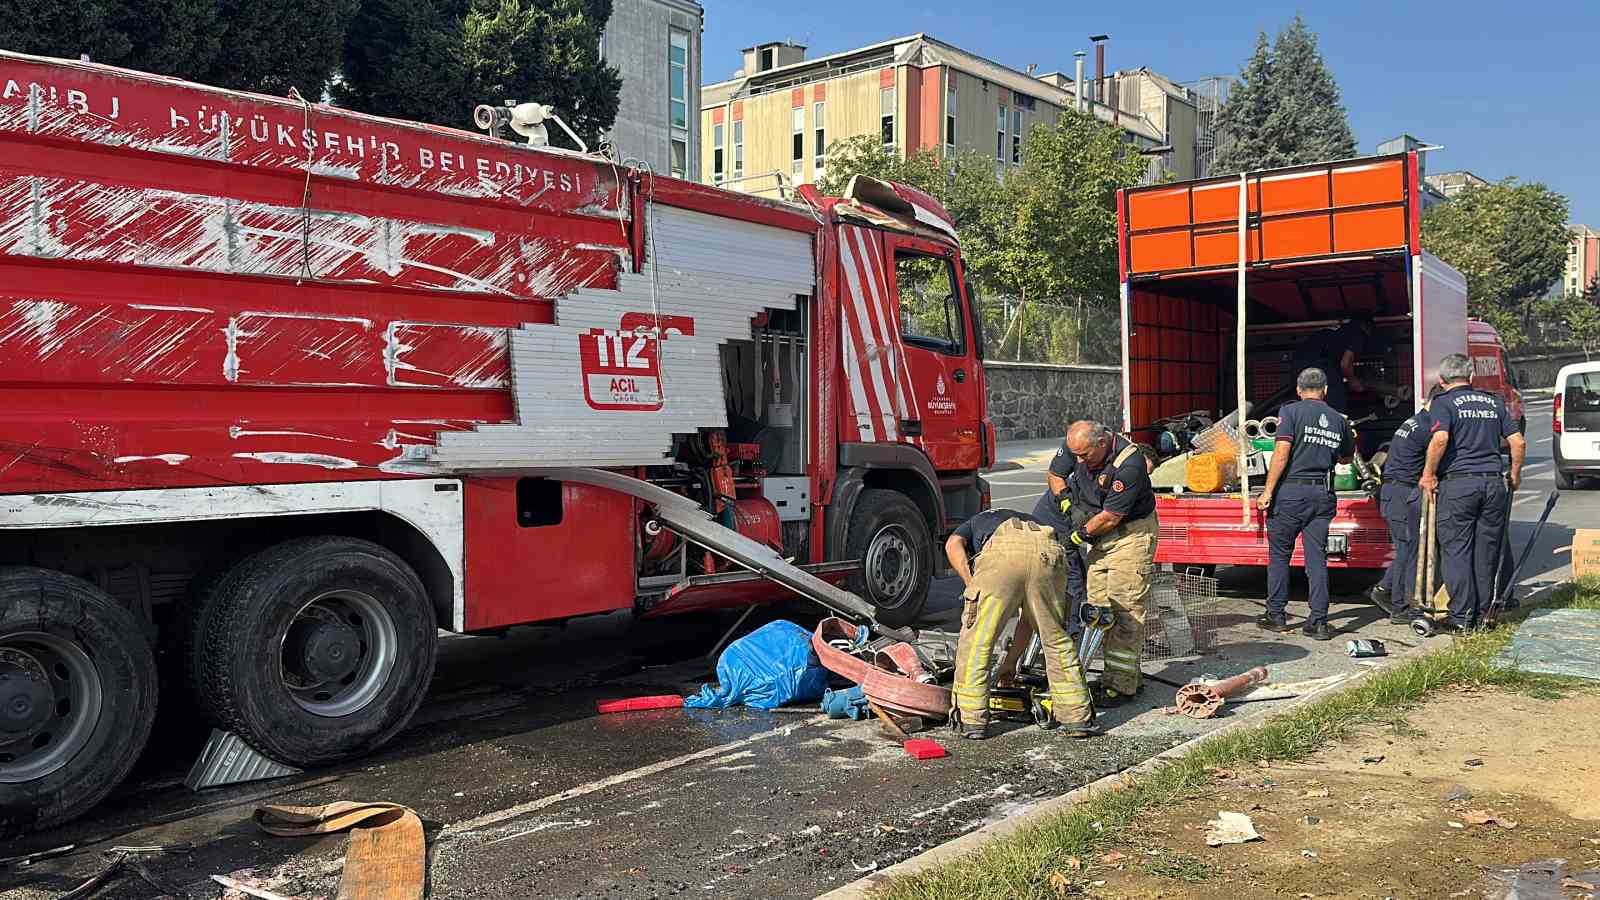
column 285, row 386
column 1320, row 244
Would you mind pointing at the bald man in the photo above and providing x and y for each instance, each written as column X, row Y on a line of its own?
column 1120, row 539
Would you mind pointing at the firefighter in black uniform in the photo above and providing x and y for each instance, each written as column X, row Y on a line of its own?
column 1401, row 503
column 1464, row 454
column 1311, row 436
column 1335, row 352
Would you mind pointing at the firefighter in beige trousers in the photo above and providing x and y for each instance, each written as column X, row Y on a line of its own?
column 1120, row 539
column 1008, row 561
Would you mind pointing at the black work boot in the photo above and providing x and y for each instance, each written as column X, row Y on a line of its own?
column 1380, row 596
column 1080, row 730
column 976, row 732
column 1401, row 617
column 1109, row 698
column 1272, row 622
column 1317, row 632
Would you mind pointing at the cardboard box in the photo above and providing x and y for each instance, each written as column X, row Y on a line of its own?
column 1586, row 552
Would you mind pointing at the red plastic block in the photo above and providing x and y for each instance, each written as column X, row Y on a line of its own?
column 661, row 701
column 922, row 748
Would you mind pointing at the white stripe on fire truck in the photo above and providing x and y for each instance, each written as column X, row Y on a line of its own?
column 879, row 320
column 852, row 376
column 913, row 409
column 884, row 407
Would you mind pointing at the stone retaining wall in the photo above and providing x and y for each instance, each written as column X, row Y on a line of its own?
column 1036, row 400
column 1538, row 370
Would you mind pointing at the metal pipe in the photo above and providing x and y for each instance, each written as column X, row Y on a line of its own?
column 1238, row 357
column 1077, row 96
column 1201, row 700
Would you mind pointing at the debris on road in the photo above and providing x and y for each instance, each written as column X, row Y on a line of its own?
column 1202, row 699
column 31, row 858
column 770, row 667
column 1484, row 817
column 632, row 704
column 231, row 884
column 386, row 856
column 1231, row 828
column 883, row 678
column 122, row 859
column 922, row 748
column 848, row 703
column 1457, row 794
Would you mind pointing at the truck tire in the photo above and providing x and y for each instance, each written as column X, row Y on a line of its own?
column 1565, row 480
column 77, row 696
column 890, row 537
column 315, row 650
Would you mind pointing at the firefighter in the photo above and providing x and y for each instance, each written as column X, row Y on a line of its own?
column 1464, row 454
column 1311, row 436
column 1401, row 503
column 1007, row 561
column 1335, row 352
column 1120, row 542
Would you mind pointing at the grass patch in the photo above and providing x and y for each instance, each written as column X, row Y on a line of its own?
column 1181, row 867
column 1023, row 865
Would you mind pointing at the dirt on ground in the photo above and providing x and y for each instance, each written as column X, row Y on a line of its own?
column 1483, row 794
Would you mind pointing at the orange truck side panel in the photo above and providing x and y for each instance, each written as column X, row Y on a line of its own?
column 1352, row 207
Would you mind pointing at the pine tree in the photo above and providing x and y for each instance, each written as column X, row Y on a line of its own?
column 1307, row 122
column 1284, row 110
column 1242, row 122
column 274, row 45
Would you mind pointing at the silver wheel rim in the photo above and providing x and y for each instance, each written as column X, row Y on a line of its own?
column 73, row 683
column 349, row 617
column 890, row 566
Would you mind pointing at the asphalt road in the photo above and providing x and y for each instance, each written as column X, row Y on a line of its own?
column 524, row 790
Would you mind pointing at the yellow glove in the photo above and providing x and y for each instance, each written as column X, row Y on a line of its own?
column 1077, row 538
column 1066, row 504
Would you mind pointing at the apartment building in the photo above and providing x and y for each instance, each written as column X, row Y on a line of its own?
column 1583, row 260
column 772, row 124
column 655, row 45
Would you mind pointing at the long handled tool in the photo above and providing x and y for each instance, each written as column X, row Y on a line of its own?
column 1505, row 593
column 1423, row 624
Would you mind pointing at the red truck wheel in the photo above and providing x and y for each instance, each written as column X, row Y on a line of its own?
column 316, row 650
column 890, row 538
column 77, row 697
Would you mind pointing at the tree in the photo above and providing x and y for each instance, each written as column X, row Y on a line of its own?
column 435, row 61
column 170, row 37
column 274, row 45
column 1579, row 312
column 1510, row 241
column 1308, row 120
column 1241, row 124
column 1285, row 110
column 1039, row 241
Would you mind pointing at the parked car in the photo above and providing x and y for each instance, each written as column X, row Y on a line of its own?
column 1575, row 428
column 1491, row 369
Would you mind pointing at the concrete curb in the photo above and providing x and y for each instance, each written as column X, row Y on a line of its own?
column 968, row 843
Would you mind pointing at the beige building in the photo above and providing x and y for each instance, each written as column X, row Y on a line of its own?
column 772, row 124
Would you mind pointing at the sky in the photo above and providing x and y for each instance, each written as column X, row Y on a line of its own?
column 1509, row 89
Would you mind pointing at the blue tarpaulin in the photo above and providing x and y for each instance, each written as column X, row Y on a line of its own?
column 1557, row 642
column 770, row 667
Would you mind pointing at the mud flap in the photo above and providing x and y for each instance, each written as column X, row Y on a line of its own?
column 688, row 519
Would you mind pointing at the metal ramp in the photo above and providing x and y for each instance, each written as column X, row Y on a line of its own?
column 689, row 519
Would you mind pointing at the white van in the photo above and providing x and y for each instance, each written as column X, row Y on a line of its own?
column 1576, row 428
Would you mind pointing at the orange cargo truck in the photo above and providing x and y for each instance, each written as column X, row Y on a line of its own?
column 1320, row 245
